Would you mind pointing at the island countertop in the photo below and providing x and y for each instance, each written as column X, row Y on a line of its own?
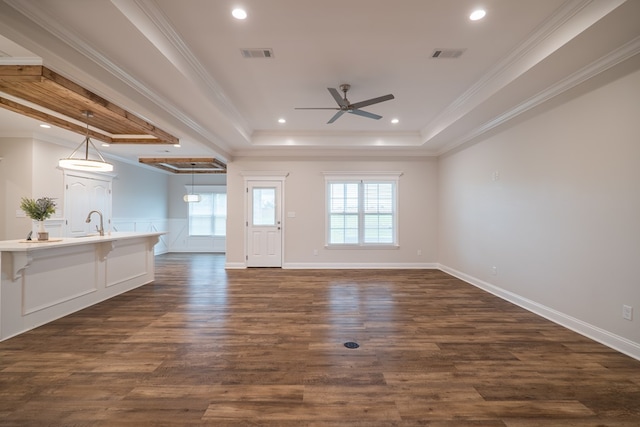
column 27, row 246
column 44, row 280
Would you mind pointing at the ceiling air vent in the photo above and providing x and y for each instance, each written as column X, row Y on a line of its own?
column 257, row 53
column 447, row 53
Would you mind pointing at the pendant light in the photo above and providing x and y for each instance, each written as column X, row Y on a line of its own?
column 86, row 164
column 190, row 197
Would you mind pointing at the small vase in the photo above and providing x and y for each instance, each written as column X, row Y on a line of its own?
column 43, row 234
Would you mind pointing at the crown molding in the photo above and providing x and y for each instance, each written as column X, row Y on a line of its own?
column 146, row 16
column 39, row 16
column 571, row 19
column 604, row 63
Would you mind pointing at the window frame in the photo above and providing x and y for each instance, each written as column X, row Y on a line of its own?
column 362, row 178
column 205, row 189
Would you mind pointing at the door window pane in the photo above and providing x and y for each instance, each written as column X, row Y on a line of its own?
column 264, row 206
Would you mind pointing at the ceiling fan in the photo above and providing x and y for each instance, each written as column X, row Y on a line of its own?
column 344, row 106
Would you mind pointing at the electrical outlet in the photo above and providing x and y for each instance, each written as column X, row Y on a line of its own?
column 627, row 312
column 494, row 271
column 315, row 252
column 419, row 251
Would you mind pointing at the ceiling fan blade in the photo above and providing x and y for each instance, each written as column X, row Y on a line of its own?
column 372, row 101
column 335, row 117
column 365, row 114
column 336, row 95
column 316, row 108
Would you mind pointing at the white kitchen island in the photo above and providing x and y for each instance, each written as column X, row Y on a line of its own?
column 43, row 281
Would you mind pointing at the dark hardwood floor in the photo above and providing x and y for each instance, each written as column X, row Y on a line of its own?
column 205, row 346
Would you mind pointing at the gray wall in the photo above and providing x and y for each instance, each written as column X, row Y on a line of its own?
column 562, row 223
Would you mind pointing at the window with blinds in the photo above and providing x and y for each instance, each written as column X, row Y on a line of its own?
column 361, row 212
column 209, row 216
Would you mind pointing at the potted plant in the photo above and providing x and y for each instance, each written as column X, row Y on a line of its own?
column 39, row 210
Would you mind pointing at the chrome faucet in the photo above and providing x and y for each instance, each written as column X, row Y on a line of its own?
column 101, row 229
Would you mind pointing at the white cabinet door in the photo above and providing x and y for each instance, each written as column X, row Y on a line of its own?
column 84, row 194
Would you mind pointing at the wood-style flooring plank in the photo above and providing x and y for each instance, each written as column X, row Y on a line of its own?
column 203, row 346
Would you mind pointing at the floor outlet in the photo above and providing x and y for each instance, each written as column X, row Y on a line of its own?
column 627, row 312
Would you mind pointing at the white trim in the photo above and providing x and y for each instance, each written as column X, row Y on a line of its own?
column 361, row 266
column 38, row 15
column 383, row 246
column 274, row 176
column 20, row 60
column 264, row 175
column 177, row 52
column 361, row 175
column 361, row 178
column 616, row 342
column 607, row 61
column 100, row 176
column 572, row 18
column 235, row 265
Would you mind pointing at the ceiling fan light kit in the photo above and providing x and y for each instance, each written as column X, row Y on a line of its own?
column 344, row 106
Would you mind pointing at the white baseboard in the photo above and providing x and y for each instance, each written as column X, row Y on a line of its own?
column 235, row 265
column 359, row 266
column 344, row 266
column 602, row 336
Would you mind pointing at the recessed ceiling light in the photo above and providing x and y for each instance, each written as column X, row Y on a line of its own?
column 282, row 121
column 239, row 13
column 176, row 145
column 477, row 14
column 105, row 144
column 395, row 121
column 45, row 126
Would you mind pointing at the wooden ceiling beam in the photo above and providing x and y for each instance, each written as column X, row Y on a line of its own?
column 186, row 165
column 41, row 86
column 47, row 118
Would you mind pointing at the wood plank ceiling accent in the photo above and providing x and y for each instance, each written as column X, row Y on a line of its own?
column 39, row 85
column 189, row 165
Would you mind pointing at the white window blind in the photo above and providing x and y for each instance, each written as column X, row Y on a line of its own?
column 208, row 217
column 362, row 211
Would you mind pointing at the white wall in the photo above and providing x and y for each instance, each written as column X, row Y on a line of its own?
column 179, row 239
column 140, row 201
column 30, row 169
column 16, row 182
column 304, row 194
column 27, row 171
column 561, row 222
column 140, row 192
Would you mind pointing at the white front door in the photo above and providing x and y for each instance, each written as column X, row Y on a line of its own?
column 264, row 224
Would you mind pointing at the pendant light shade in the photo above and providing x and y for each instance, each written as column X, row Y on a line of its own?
column 190, row 197
column 86, row 164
